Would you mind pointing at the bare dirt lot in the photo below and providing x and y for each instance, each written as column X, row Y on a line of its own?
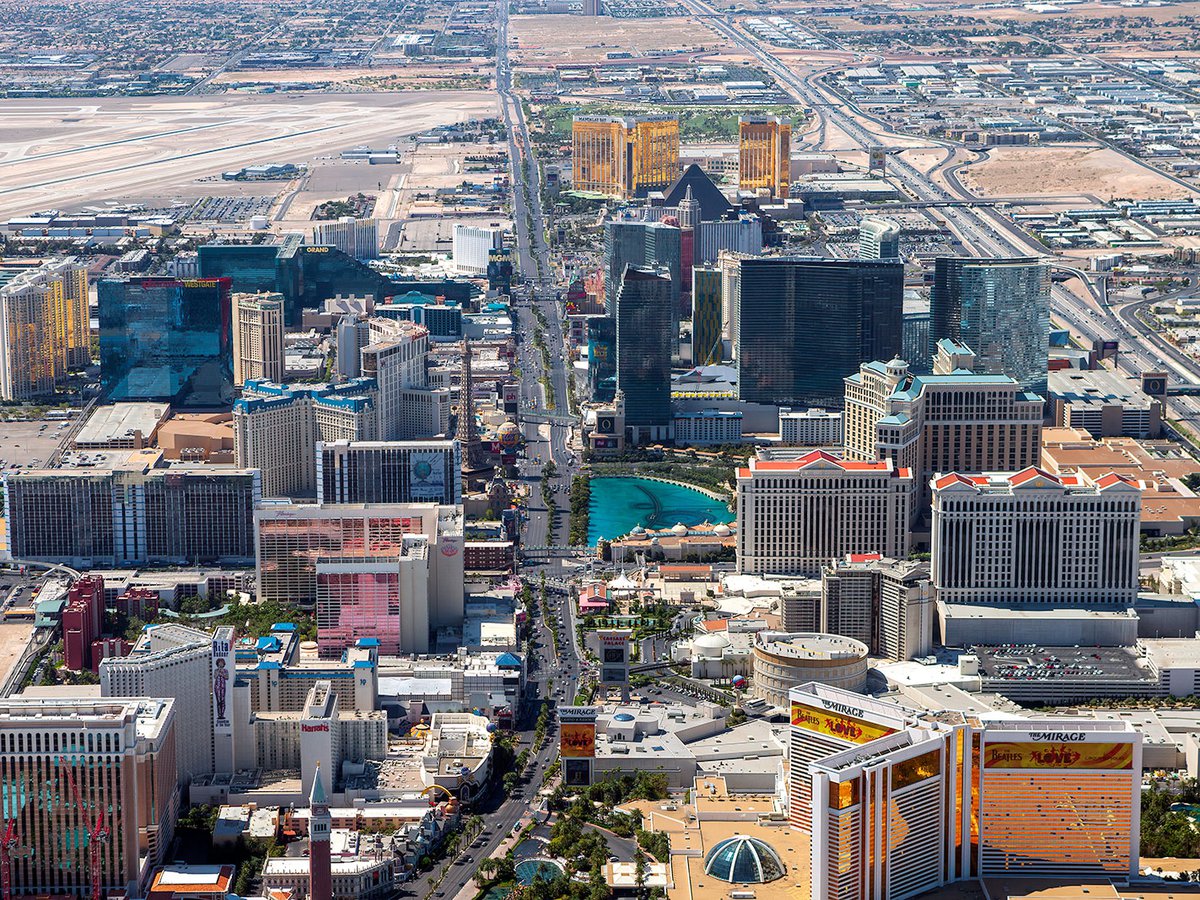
column 553, row 40
column 1096, row 171
column 63, row 154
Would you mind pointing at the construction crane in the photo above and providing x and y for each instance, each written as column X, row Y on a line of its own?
column 97, row 830
column 7, row 845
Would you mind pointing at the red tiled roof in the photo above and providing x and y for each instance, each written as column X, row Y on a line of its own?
column 863, row 557
column 795, row 465
column 955, row 478
column 1030, row 473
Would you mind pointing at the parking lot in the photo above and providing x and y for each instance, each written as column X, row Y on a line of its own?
column 29, row 444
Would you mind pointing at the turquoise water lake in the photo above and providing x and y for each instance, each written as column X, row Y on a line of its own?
column 620, row 504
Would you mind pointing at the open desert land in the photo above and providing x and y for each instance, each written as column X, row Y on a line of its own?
column 925, row 158
column 64, row 154
column 583, row 40
column 400, row 76
column 1103, row 173
column 1078, row 11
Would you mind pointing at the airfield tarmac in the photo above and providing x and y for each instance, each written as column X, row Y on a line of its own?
column 66, row 154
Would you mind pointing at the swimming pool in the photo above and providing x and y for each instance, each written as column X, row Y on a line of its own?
column 620, row 504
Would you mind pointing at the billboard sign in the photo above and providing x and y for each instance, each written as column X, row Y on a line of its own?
column 1057, row 755
column 427, row 475
column 577, row 772
column 222, row 677
column 577, row 740
column 577, row 714
column 836, row 724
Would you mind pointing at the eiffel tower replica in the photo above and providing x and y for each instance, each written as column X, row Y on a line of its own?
column 474, row 469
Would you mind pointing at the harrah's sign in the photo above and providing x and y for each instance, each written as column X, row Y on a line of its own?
column 309, row 729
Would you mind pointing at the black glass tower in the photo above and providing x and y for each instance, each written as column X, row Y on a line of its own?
column 644, row 347
column 166, row 339
column 805, row 323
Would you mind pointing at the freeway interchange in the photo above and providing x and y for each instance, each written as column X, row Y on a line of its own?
column 978, row 227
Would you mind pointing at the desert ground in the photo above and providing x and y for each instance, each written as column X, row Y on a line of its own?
column 1097, row 171
column 65, row 154
column 546, row 41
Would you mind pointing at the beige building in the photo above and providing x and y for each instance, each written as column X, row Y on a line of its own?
column 257, row 337
column 950, row 421
column 794, row 516
column 277, row 427
column 45, row 328
column 1033, row 538
column 120, row 753
column 782, row 661
column 623, row 156
column 764, row 154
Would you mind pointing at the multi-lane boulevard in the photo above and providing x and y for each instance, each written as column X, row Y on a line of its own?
column 553, row 677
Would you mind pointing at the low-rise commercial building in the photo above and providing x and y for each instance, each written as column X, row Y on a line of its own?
column 1104, row 404
column 782, row 661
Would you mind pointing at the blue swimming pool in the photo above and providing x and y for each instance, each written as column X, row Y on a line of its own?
column 620, row 504
column 531, row 870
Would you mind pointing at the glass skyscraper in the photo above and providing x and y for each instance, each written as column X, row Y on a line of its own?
column 602, row 358
column 706, row 316
column 305, row 275
column 805, row 323
column 1000, row 308
column 644, row 348
column 642, row 245
column 166, row 339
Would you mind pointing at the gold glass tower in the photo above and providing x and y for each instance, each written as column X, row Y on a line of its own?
column 764, row 154
column 625, row 157
column 44, row 327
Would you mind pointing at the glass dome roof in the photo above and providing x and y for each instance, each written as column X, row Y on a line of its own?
column 743, row 860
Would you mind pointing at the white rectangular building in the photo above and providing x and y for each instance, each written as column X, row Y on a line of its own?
column 743, row 235
column 1030, row 537
column 809, row 427
column 794, row 516
column 471, row 245
column 354, row 237
column 707, row 426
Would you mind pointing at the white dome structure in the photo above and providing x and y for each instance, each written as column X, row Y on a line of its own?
column 679, row 529
column 711, row 646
